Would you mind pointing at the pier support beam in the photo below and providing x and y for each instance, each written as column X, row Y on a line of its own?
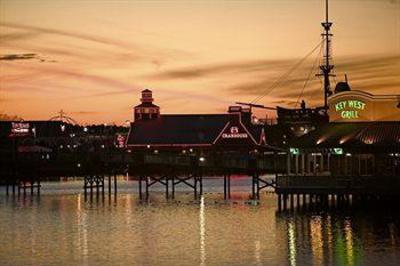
column 195, row 182
column 94, row 182
column 24, row 184
column 227, row 186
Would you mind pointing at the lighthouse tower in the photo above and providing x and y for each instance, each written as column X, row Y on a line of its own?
column 146, row 110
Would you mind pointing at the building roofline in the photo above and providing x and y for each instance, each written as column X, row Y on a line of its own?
column 221, row 132
column 201, row 114
column 169, row 145
column 364, row 94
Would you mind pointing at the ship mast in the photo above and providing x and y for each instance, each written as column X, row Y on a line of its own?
column 326, row 66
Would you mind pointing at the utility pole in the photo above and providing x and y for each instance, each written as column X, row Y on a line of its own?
column 326, row 67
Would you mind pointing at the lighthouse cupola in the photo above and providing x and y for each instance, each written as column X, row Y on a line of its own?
column 146, row 110
column 147, row 96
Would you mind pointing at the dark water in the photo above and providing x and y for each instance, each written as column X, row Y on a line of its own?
column 60, row 228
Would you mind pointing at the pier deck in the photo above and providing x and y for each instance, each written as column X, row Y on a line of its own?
column 373, row 185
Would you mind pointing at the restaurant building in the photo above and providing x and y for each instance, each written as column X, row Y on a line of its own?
column 155, row 131
column 33, row 133
column 230, row 138
column 359, row 148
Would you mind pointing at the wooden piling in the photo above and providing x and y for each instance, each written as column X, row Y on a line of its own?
column 32, row 182
column 201, row 185
column 229, row 186
column 253, row 187
column 147, row 187
column 166, row 187
column 285, row 201
column 225, row 190
column 115, row 184
column 173, row 187
column 298, row 201
column 257, row 187
column 140, row 187
column 102, row 186
column 109, row 185
column 91, row 185
column 85, row 187
column 280, row 202
column 291, row 196
column 97, row 184
column 195, row 187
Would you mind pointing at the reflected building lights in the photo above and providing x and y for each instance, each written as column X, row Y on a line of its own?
column 33, row 232
column 392, row 233
column 257, row 252
column 316, row 240
column 330, row 237
column 349, row 242
column 292, row 242
column 82, row 244
column 202, row 221
column 128, row 209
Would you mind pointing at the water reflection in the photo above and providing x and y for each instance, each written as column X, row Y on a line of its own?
column 349, row 242
column 82, row 236
column 66, row 230
column 202, row 233
column 316, row 239
column 292, row 242
column 257, row 252
column 358, row 238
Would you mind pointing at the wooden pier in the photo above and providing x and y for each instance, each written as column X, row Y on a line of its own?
column 95, row 184
column 195, row 180
column 17, row 185
column 170, row 170
column 334, row 190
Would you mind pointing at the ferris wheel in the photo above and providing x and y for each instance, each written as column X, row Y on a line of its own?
column 62, row 116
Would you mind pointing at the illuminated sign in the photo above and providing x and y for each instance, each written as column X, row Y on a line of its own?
column 19, row 129
column 294, row 151
column 349, row 109
column 337, row 151
column 234, row 134
column 120, row 142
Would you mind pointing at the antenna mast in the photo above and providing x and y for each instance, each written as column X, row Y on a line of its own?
column 326, row 66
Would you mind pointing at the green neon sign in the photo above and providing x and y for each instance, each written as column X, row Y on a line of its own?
column 294, row 151
column 337, row 151
column 350, row 109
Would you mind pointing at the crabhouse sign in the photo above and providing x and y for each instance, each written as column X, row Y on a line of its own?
column 234, row 134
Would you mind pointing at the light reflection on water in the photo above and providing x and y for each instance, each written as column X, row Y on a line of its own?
column 202, row 233
column 59, row 227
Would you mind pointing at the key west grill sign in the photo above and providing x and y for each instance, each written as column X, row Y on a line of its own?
column 354, row 106
column 349, row 109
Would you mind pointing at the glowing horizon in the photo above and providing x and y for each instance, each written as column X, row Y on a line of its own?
column 93, row 59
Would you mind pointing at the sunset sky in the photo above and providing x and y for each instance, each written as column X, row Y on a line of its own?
column 92, row 58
